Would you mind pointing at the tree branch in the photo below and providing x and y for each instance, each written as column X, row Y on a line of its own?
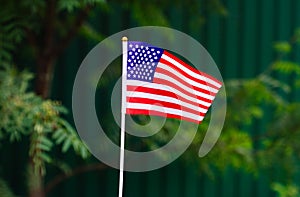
column 76, row 171
column 81, row 17
column 49, row 31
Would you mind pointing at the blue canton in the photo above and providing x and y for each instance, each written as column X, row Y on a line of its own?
column 142, row 61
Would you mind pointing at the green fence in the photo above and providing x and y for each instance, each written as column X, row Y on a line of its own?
column 241, row 45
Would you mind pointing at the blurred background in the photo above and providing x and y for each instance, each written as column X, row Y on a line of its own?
column 255, row 45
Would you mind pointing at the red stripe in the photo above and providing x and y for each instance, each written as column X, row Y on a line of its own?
column 170, row 74
column 163, row 61
column 157, row 113
column 163, row 93
column 168, row 83
column 164, row 104
column 191, row 68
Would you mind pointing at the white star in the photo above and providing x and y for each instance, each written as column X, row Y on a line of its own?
column 134, row 76
column 130, row 45
column 151, row 61
column 128, row 75
column 142, row 58
column 136, row 46
column 149, row 78
column 155, row 57
column 158, row 52
column 130, row 53
column 148, row 52
column 142, row 47
column 152, row 49
column 153, row 64
column 132, row 57
column 154, row 53
column 147, row 48
column 139, row 50
column 129, row 60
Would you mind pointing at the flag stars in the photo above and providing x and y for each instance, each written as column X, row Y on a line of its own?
column 142, row 61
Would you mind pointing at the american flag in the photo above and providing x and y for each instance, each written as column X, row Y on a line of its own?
column 159, row 83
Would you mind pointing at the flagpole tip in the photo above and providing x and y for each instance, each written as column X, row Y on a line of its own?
column 124, row 39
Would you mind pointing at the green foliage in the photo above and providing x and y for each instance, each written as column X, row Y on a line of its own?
column 285, row 190
column 27, row 115
column 5, row 191
column 11, row 33
column 282, row 47
column 71, row 5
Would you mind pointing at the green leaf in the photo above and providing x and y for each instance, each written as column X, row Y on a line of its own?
column 43, row 147
column 58, row 133
column 46, row 141
column 45, row 157
column 66, row 145
column 68, row 5
column 282, row 47
column 286, row 67
column 61, row 138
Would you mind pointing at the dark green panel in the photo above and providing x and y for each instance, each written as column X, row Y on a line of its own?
column 173, row 184
column 154, row 185
column 230, row 47
column 241, row 44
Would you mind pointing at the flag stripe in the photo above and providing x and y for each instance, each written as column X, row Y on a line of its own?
column 159, row 99
column 190, row 94
column 165, row 93
column 158, row 113
column 189, row 70
column 143, row 100
column 178, row 85
column 166, row 110
column 176, row 76
column 186, row 75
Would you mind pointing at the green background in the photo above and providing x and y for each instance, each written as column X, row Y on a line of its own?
column 241, row 45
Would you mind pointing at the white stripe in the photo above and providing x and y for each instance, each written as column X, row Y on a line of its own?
column 164, row 110
column 135, row 94
column 189, row 89
column 196, row 75
column 184, row 78
column 166, row 88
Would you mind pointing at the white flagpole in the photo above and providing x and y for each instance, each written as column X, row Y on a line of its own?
column 123, row 111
